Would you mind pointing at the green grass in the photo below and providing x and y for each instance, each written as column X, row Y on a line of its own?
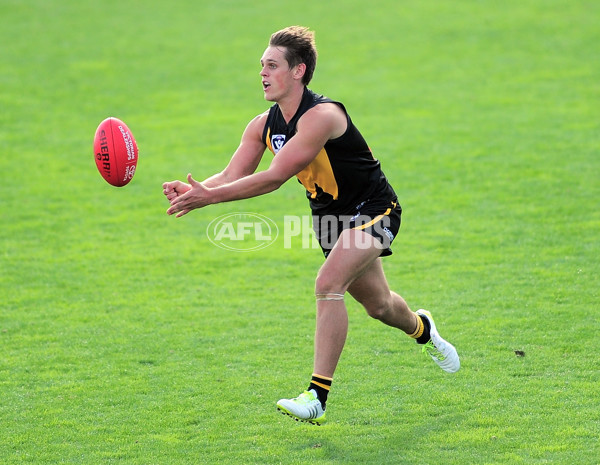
column 127, row 337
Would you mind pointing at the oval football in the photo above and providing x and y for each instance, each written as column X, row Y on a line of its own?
column 115, row 152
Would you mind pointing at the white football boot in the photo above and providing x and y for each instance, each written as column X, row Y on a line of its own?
column 306, row 407
column 441, row 351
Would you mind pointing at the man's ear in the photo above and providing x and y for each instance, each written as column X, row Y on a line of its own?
column 300, row 70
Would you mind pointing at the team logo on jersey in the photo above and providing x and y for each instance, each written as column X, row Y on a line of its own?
column 277, row 142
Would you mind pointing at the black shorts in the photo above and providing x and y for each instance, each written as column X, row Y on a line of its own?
column 379, row 219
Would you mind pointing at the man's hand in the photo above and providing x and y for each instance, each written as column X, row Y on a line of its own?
column 174, row 189
column 185, row 197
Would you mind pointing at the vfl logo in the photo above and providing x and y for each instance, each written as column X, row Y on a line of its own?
column 277, row 142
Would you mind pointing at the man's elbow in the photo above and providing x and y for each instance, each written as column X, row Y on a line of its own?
column 277, row 179
column 276, row 182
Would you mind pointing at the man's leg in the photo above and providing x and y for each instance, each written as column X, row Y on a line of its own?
column 372, row 291
column 352, row 255
column 358, row 269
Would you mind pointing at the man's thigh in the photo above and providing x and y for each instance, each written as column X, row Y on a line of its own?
column 353, row 255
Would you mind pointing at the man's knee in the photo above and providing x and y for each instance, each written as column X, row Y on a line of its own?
column 378, row 307
column 327, row 285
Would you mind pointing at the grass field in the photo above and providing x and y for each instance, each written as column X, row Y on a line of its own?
column 127, row 337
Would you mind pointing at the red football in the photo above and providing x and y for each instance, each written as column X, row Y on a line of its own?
column 115, row 151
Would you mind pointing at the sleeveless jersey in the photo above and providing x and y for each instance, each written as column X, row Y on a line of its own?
column 343, row 175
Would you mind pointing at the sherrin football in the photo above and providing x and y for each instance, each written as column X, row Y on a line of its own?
column 115, row 151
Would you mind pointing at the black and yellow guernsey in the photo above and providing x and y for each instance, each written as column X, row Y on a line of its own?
column 343, row 175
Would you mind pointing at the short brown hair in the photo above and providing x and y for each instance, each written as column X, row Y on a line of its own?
column 300, row 47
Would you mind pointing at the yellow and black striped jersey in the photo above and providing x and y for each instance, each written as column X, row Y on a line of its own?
column 344, row 174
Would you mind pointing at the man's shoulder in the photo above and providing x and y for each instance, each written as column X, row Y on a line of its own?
column 322, row 104
column 256, row 126
column 260, row 119
column 326, row 115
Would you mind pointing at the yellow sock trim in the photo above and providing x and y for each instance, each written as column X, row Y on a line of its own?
column 324, row 386
column 420, row 328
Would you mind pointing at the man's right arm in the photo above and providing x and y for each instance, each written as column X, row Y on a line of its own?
column 247, row 156
column 244, row 161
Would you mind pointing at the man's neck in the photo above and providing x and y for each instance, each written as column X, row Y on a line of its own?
column 289, row 105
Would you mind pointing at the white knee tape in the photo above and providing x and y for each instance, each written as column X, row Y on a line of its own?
column 329, row 296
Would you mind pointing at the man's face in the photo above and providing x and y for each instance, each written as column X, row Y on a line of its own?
column 277, row 77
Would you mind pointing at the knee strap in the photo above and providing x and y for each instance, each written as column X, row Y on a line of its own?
column 329, row 296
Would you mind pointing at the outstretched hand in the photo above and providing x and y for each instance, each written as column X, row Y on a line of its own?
column 185, row 197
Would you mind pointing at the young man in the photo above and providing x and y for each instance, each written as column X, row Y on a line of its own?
column 355, row 211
